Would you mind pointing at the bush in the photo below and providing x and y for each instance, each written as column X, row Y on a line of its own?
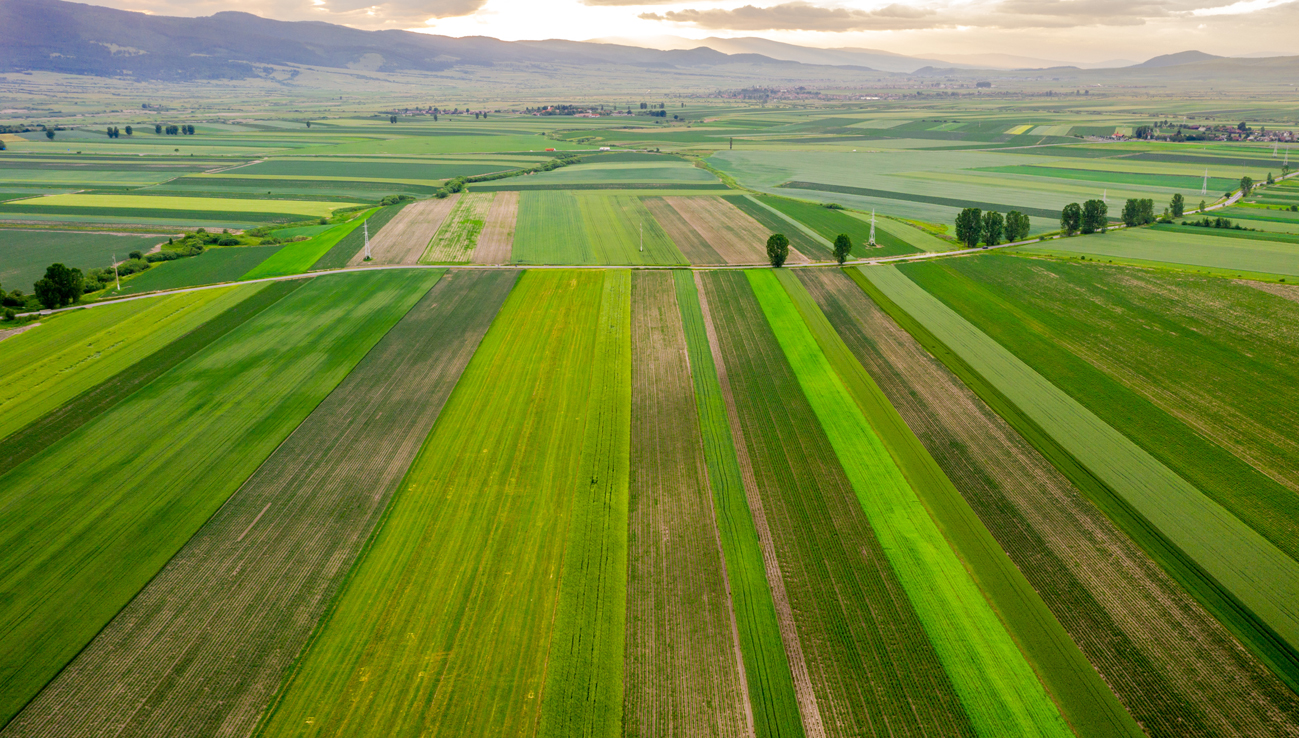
column 11, row 314
column 832, row 205
column 227, row 241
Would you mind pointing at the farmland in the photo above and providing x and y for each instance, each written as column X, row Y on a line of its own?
column 567, row 456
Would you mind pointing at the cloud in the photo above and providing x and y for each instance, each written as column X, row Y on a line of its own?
column 803, row 16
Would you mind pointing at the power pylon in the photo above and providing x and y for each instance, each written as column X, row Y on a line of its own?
column 872, row 241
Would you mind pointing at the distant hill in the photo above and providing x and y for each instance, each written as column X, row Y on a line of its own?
column 1174, row 60
column 73, row 38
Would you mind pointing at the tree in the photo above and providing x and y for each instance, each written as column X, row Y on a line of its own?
column 1094, row 216
column 1131, row 213
column 1016, row 226
column 1177, row 206
column 969, row 226
column 1071, row 218
column 1242, row 127
column 777, row 249
column 1202, row 206
column 842, row 246
column 60, row 286
column 1246, row 184
column 129, row 130
column 1270, row 180
column 157, row 128
column 1147, row 210
column 993, row 225
column 49, row 133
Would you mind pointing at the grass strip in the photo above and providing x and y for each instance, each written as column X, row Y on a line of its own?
column 1116, row 495
column 1084, row 699
column 91, row 403
column 766, row 668
column 583, row 694
column 996, row 685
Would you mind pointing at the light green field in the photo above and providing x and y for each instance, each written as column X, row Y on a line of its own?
column 296, row 258
column 998, row 689
column 215, row 204
column 557, row 227
column 86, row 523
column 527, row 453
column 452, row 144
column 68, row 354
column 666, row 171
column 1146, row 246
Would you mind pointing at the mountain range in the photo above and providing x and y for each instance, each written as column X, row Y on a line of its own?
column 74, row 38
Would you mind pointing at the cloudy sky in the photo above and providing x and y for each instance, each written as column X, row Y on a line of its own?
column 1064, row 30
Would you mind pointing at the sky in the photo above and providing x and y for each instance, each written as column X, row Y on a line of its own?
column 1081, row 31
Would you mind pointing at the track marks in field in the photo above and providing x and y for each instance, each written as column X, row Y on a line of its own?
column 735, row 236
column 683, row 668
column 457, row 237
column 405, row 237
column 496, row 242
column 687, row 239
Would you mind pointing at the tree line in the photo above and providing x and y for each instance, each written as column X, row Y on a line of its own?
column 974, row 226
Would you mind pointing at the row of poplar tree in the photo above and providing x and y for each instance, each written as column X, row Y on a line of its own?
column 973, row 226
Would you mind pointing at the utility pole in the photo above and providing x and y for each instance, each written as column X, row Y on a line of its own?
column 116, row 279
column 365, row 229
column 872, row 241
column 642, row 235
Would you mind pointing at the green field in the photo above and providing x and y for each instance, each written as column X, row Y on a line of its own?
column 130, row 204
column 70, row 354
column 301, row 508
column 830, row 223
column 1217, row 553
column 274, row 369
column 1191, row 251
column 525, row 397
column 564, row 228
column 24, row 254
column 771, row 688
column 224, row 264
column 296, row 258
column 997, row 687
column 363, row 168
column 806, row 244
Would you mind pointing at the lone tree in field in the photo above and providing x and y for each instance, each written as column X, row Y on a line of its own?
column 1071, row 218
column 1016, row 226
column 842, row 247
column 1246, row 184
column 777, row 249
column 969, row 226
column 49, row 133
column 157, row 128
column 129, row 130
column 60, row 286
column 1094, row 216
column 993, row 225
column 1177, row 206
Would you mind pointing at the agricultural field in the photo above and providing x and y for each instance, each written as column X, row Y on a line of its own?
column 24, row 254
column 457, row 238
column 1227, row 255
column 566, row 456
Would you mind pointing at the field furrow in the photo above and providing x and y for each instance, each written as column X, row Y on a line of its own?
column 686, row 238
column 256, row 578
column 1240, row 576
column 496, row 242
column 736, row 237
column 1174, row 667
column 458, row 235
column 89, row 521
column 684, row 672
column 404, row 238
column 444, row 626
column 868, row 659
